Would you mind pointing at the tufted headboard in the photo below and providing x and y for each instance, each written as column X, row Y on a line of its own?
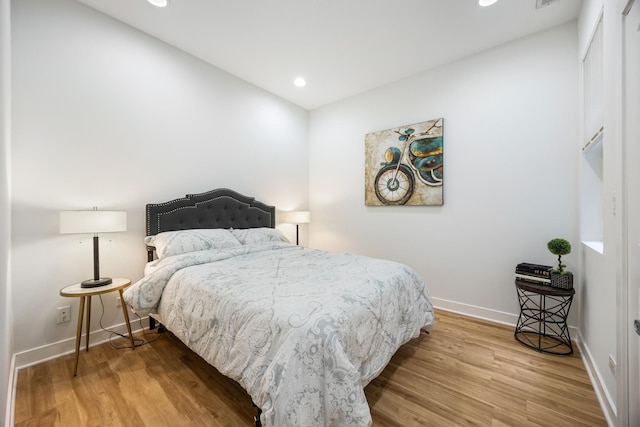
column 221, row 208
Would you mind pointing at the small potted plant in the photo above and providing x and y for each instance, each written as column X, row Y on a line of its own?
column 560, row 278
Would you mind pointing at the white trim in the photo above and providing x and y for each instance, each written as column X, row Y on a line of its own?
column 594, row 28
column 475, row 311
column 626, row 375
column 54, row 350
column 495, row 316
column 597, row 138
column 606, row 401
column 11, row 393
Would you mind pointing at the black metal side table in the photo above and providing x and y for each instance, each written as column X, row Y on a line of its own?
column 542, row 324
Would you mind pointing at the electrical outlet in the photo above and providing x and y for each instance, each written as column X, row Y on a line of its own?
column 612, row 364
column 63, row 314
column 118, row 302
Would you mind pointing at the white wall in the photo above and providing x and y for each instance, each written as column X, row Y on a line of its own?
column 510, row 126
column 106, row 116
column 6, row 341
column 602, row 271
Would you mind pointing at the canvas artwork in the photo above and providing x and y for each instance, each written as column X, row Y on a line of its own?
column 404, row 165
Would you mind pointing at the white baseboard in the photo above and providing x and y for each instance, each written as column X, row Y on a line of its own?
column 607, row 403
column 496, row 316
column 11, row 395
column 475, row 311
column 66, row 346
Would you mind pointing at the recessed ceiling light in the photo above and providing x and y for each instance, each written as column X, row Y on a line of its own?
column 158, row 3
column 485, row 3
column 300, row 82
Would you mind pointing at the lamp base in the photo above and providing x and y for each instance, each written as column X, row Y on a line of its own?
column 92, row 283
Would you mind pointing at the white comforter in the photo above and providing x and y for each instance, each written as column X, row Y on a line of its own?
column 303, row 331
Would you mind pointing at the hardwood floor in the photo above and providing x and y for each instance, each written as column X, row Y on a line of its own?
column 466, row 372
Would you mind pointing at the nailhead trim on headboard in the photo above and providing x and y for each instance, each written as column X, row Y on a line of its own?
column 221, row 208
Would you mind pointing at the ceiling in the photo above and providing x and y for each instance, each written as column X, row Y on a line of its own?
column 341, row 47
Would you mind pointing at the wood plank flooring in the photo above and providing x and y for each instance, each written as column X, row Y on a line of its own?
column 466, row 372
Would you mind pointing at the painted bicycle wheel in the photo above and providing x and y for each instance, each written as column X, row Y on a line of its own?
column 394, row 184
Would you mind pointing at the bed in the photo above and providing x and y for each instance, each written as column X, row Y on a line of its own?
column 303, row 331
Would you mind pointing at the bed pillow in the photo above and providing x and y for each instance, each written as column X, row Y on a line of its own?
column 248, row 236
column 179, row 242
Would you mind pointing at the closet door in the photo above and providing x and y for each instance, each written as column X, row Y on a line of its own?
column 631, row 141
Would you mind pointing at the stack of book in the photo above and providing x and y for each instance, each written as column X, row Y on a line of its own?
column 534, row 273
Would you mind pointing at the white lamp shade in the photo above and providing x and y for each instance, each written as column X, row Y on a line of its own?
column 90, row 222
column 296, row 217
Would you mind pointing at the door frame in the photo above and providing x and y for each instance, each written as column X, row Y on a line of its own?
column 627, row 372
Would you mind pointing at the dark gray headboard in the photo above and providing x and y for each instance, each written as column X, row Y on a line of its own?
column 221, row 208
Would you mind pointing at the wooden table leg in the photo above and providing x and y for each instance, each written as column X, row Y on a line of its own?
column 126, row 318
column 88, row 328
column 78, row 335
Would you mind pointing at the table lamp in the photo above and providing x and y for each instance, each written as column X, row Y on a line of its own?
column 297, row 218
column 93, row 222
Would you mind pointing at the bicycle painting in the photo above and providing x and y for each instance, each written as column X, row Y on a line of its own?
column 404, row 166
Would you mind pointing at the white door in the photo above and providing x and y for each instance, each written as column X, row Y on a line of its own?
column 631, row 135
